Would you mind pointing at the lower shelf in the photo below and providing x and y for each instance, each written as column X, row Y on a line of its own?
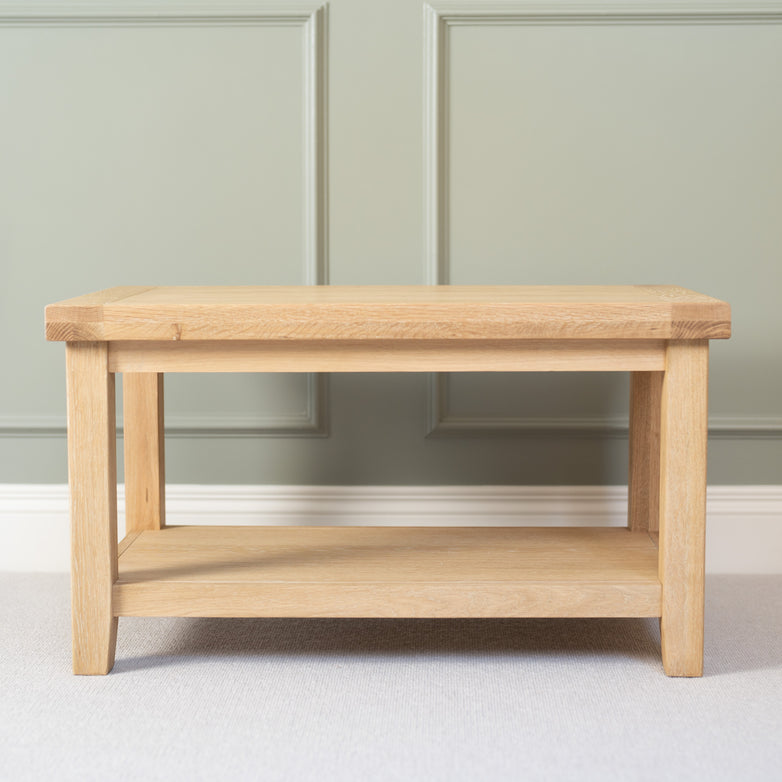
column 388, row 572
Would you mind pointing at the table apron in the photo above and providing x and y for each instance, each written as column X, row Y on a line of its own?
column 575, row 355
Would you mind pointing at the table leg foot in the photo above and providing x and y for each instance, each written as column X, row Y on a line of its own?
column 94, row 645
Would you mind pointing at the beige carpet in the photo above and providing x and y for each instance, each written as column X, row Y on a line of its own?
column 213, row 699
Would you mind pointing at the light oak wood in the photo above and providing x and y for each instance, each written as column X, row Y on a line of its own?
column 410, row 601
column 659, row 333
column 86, row 310
column 145, row 481
column 643, row 508
column 683, row 436
column 693, row 315
column 391, row 312
column 93, row 480
column 388, row 571
column 124, row 544
column 388, row 356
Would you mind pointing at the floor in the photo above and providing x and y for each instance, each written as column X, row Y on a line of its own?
column 211, row 699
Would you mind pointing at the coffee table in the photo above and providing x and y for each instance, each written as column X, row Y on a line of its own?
column 652, row 568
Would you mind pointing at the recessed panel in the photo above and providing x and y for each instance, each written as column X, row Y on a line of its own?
column 238, row 402
column 608, row 154
column 599, row 153
column 169, row 154
column 568, row 402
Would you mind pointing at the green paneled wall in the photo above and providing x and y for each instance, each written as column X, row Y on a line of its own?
column 636, row 150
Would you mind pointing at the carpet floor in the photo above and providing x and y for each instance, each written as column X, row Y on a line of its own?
column 327, row 699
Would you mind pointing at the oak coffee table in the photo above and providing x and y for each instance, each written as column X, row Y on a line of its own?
column 652, row 568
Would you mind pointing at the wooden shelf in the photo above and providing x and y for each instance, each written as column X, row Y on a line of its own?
column 388, row 572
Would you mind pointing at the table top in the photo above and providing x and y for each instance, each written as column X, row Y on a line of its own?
column 391, row 312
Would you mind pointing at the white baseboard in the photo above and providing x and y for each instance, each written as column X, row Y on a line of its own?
column 744, row 522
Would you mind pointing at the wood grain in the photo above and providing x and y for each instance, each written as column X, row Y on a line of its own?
column 388, row 356
column 388, row 571
column 145, row 480
column 683, row 436
column 322, row 571
column 63, row 319
column 643, row 507
column 93, row 496
column 393, row 312
column 124, row 544
column 694, row 315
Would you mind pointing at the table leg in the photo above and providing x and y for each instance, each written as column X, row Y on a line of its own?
column 643, row 504
column 92, row 468
column 683, row 440
column 145, row 505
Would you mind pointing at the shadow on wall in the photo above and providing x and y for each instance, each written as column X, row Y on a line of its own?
column 378, row 425
column 528, row 429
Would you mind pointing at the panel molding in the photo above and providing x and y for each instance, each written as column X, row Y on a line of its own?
column 438, row 18
column 569, row 427
column 312, row 18
column 498, row 12
column 310, row 422
column 441, row 422
column 101, row 13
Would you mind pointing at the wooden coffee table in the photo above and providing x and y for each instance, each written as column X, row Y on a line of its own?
column 660, row 334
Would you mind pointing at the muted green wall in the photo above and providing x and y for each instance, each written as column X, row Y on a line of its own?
column 624, row 153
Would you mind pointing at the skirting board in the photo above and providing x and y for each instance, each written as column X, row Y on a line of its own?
column 744, row 522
